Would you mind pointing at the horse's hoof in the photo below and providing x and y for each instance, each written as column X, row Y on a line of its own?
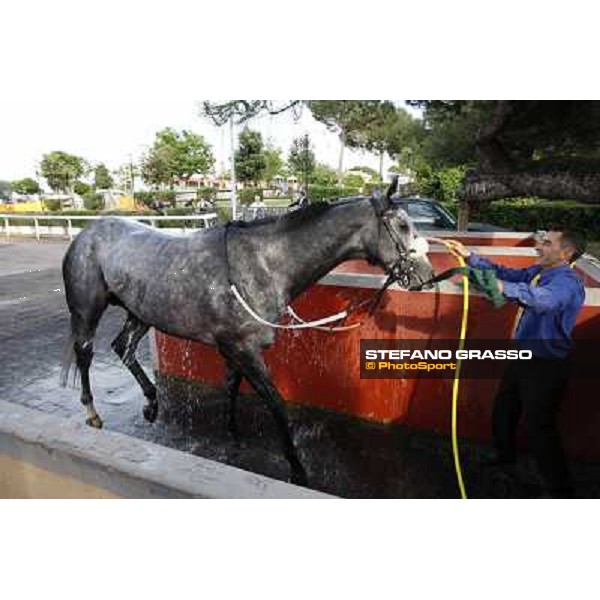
column 95, row 422
column 150, row 412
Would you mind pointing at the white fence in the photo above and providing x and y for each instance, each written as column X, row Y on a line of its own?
column 39, row 229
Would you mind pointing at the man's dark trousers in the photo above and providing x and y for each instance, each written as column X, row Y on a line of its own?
column 535, row 387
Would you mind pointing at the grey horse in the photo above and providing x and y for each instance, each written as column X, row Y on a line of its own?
column 181, row 285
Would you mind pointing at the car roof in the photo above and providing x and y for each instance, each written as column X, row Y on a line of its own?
column 396, row 198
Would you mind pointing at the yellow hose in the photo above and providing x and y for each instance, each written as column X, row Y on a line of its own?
column 456, row 383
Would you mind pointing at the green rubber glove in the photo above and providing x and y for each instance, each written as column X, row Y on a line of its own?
column 485, row 281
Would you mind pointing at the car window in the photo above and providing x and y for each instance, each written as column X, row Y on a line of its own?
column 423, row 213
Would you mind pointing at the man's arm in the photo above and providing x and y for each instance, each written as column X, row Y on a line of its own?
column 504, row 273
column 541, row 298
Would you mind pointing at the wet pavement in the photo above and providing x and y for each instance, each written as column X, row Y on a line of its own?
column 342, row 456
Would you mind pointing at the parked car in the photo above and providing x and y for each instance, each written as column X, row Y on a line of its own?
column 430, row 215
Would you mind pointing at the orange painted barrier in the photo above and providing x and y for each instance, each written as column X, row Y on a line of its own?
column 322, row 369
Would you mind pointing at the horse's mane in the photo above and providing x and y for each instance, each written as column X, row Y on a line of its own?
column 297, row 218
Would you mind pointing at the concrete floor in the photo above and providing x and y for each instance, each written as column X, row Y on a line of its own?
column 342, row 456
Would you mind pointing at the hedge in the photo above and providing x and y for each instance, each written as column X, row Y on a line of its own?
column 148, row 198
column 530, row 214
column 324, row 192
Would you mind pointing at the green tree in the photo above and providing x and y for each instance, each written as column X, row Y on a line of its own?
column 5, row 189
column 388, row 130
column 323, row 175
column 353, row 180
column 344, row 117
column 301, row 159
column 274, row 164
column 156, row 167
column 193, row 155
column 81, row 188
column 241, row 110
column 538, row 148
column 250, row 159
column 61, row 170
column 176, row 155
column 26, row 186
column 102, row 177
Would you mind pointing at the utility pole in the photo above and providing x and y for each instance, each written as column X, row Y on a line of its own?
column 132, row 174
column 306, row 159
column 233, row 182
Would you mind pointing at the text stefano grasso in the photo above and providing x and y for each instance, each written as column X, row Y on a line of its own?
column 497, row 354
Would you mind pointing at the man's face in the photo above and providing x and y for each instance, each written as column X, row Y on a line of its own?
column 549, row 249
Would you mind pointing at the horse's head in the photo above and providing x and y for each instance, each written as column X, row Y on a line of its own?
column 397, row 247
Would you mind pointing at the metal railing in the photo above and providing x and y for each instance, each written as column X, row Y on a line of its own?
column 249, row 213
column 208, row 220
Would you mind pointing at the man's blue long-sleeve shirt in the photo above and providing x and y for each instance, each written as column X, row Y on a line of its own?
column 550, row 307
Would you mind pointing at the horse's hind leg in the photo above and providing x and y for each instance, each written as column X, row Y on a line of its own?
column 249, row 362
column 125, row 345
column 83, row 334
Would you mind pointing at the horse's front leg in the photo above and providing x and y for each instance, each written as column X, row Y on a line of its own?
column 248, row 361
column 125, row 345
column 233, row 381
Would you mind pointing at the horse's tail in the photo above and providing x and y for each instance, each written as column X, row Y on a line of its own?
column 69, row 364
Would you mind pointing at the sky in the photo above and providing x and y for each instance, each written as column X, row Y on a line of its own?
column 99, row 78
column 114, row 127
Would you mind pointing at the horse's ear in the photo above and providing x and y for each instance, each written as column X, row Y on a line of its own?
column 379, row 203
column 392, row 189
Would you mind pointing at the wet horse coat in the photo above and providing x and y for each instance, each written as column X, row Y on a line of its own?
column 181, row 285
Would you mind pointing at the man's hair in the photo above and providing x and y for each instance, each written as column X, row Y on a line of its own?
column 572, row 239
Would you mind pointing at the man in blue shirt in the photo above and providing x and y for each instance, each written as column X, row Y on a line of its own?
column 550, row 295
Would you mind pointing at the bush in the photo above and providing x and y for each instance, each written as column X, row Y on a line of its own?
column 246, row 196
column 224, row 214
column 323, row 192
column 93, row 201
column 51, row 205
column 531, row 214
column 148, row 198
column 81, row 188
column 440, row 184
column 206, row 193
column 353, row 180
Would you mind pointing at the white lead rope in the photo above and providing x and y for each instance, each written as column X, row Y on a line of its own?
column 303, row 325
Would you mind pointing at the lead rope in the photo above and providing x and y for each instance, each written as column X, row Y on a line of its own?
column 301, row 325
column 234, row 290
column 318, row 324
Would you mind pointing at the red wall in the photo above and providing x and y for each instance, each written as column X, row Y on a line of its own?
column 322, row 369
